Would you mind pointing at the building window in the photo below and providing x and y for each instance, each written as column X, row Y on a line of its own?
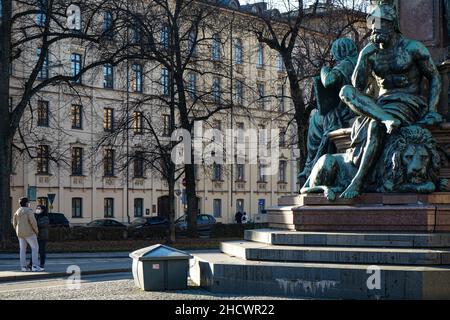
column 77, row 161
column 280, row 63
column 217, row 208
column 240, row 205
column 42, row 113
column 261, row 95
column 136, row 81
column 108, row 119
column 165, row 36
column 137, row 122
column 43, row 73
column 280, row 95
column 217, row 172
column 77, row 116
column 239, row 92
column 238, row 52
column 260, row 61
column 138, row 207
column 166, row 125
column 108, row 25
column 261, row 175
column 108, row 76
column 43, row 159
column 108, row 163
column 165, row 82
column 216, row 47
column 41, row 17
column 75, row 67
column 240, row 172
column 77, row 208
column 138, row 164
column 109, row 207
column 192, row 39
column 282, row 138
column 282, row 171
column 136, row 32
column 216, row 90
column 192, row 85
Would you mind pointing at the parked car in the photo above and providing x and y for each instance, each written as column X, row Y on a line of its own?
column 148, row 222
column 140, row 226
column 58, row 220
column 100, row 226
column 204, row 224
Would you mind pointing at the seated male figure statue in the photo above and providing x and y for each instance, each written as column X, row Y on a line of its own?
column 398, row 65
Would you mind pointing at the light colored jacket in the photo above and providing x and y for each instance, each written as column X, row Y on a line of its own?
column 25, row 223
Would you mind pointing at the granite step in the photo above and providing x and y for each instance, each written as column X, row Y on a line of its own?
column 221, row 273
column 249, row 250
column 348, row 239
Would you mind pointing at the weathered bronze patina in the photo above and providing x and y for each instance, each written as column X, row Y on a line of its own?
column 398, row 66
column 331, row 113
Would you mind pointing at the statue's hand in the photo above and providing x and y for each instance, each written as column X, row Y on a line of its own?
column 432, row 118
column 369, row 50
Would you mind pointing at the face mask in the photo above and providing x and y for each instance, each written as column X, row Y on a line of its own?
column 39, row 211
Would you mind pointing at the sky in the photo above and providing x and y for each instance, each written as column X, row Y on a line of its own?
column 286, row 5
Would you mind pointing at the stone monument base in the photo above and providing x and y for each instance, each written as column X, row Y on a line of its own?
column 328, row 265
column 405, row 238
column 375, row 212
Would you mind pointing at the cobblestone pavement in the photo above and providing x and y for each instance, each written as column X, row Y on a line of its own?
column 95, row 288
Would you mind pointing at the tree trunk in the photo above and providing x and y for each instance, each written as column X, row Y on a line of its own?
column 5, row 128
column 171, row 236
column 192, row 203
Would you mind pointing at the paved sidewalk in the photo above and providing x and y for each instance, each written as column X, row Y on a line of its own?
column 90, row 263
column 57, row 265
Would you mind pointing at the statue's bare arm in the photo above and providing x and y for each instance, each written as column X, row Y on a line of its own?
column 363, row 70
column 429, row 70
column 330, row 77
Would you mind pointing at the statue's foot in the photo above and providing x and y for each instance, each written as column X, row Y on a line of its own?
column 391, row 125
column 351, row 192
column 330, row 195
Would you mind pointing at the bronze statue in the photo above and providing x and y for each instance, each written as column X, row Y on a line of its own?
column 398, row 65
column 410, row 163
column 331, row 113
column 389, row 152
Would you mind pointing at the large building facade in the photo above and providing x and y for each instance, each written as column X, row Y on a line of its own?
column 69, row 166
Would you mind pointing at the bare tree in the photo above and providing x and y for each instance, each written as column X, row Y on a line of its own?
column 303, row 38
column 29, row 31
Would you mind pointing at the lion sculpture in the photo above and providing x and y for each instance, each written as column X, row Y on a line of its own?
column 410, row 163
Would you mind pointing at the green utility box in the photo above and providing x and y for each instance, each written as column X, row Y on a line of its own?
column 160, row 267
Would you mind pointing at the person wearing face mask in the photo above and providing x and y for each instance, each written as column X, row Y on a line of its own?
column 26, row 228
column 43, row 223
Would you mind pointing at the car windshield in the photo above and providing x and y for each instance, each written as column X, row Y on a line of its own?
column 95, row 223
column 138, row 221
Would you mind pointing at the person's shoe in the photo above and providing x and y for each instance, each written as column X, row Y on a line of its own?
column 25, row 269
column 36, row 269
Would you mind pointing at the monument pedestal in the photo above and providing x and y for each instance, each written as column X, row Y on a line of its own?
column 335, row 249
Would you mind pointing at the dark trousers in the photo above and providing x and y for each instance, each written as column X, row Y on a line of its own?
column 42, row 252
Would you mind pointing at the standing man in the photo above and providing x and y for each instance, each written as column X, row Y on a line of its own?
column 238, row 217
column 27, row 230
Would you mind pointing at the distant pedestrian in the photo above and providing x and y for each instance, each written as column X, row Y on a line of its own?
column 244, row 217
column 27, row 230
column 43, row 223
column 238, row 217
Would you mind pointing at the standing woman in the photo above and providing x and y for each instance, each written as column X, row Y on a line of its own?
column 43, row 225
